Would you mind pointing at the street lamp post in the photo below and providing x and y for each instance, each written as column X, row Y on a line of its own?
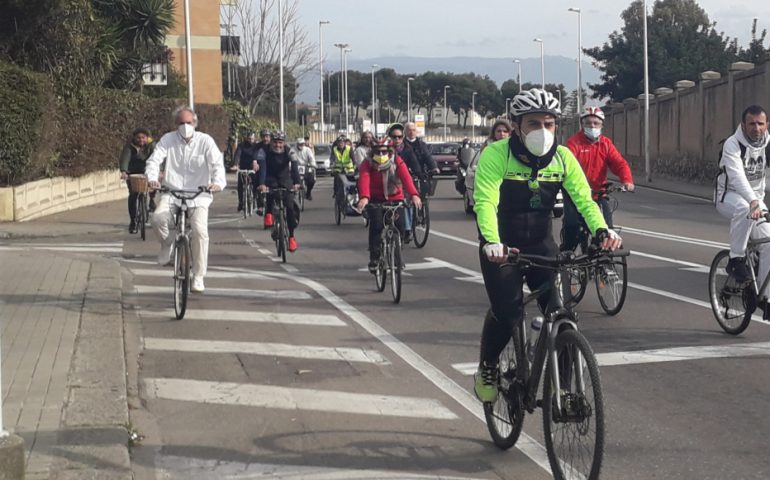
column 342, row 47
column 518, row 62
column 374, row 100
column 445, row 87
column 579, row 59
column 321, row 23
column 347, row 121
column 507, row 107
column 647, row 171
column 280, row 58
column 542, row 60
column 188, row 53
column 409, row 100
column 473, row 115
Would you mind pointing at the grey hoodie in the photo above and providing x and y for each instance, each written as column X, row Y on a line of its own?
column 744, row 166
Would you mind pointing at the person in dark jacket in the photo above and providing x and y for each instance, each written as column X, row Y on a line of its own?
column 246, row 159
column 278, row 168
column 133, row 159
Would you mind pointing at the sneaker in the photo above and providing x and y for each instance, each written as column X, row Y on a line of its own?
column 132, row 227
column 166, row 248
column 485, row 386
column 737, row 268
column 373, row 266
column 197, row 284
column 292, row 244
column 268, row 220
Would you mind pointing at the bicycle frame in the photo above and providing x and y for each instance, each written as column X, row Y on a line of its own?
column 751, row 250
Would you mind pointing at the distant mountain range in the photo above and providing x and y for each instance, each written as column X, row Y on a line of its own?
column 558, row 69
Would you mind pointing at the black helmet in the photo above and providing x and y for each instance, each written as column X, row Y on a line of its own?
column 278, row 135
column 264, row 132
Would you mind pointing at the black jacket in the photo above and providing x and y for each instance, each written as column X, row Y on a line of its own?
column 278, row 169
column 245, row 155
column 424, row 159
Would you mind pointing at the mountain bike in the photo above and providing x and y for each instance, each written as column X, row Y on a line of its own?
column 140, row 185
column 572, row 400
column 734, row 303
column 610, row 275
column 389, row 263
column 244, row 177
column 421, row 216
column 182, row 253
column 280, row 231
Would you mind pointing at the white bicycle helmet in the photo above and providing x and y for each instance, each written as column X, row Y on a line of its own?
column 535, row 100
column 592, row 112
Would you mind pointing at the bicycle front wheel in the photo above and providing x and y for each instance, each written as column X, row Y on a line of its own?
column 182, row 261
column 578, row 281
column 732, row 304
column 574, row 434
column 611, row 285
column 337, row 212
column 421, row 227
column 394, row 265
column 284, row 236
column 505, row 416
column 380, row 275
column 141, row 215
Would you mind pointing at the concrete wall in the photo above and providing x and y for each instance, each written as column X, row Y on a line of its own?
column 53, row 195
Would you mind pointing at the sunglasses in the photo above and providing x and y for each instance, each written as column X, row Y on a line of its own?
column 396, row 136
column 381, row 152
column 535, row 201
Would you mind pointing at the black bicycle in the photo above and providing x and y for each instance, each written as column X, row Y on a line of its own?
column 421, row 216
column 572, row 400
column 280, row 231
column 182, row 253
column 249, row 204
column 389, row 263
column 140, row 185
column 609, row 275
column 343, row 204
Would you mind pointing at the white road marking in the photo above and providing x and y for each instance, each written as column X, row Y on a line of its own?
column 674, row 238
column 56, row 248
column 674, row 354
column 185, row 468
column 313, row 319
column 140, row 262
column 268, row 396
column 456, row 239
column 264, row 251
column 311, row 352
column 229, row 292
column 165, row 272
column 289, row 268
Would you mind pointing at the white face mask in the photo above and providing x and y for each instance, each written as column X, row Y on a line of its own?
column 592, row 133
column 186, row 130
column 539, row 142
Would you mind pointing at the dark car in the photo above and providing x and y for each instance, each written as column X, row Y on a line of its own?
column 322, row 153
column 445, row 156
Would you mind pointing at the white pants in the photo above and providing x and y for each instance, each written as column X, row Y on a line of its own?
column 163, row 222
column 742, row 228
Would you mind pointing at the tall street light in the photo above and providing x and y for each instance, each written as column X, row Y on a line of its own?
column 473, row 115
column 374, row 100
column 647, row 171
column 542, row 60
column 321, row 23
column 342, row 47
column 445, row 87
column 518, row 62
column 579, row 59
column 409, row 100
column 507, row 107
column 188, row 53
column 347, row 121
column 280, row 58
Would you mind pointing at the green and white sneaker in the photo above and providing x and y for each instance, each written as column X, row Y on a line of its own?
column 485, row 386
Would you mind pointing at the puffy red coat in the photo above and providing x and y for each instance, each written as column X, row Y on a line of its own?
column 596, row 158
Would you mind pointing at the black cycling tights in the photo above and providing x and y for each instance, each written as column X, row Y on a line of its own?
column 505, row 291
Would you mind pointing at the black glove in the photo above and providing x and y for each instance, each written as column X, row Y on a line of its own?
column 601, row 235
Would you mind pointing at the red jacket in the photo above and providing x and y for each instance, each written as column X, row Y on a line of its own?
column 370, row 182
column 595, row 158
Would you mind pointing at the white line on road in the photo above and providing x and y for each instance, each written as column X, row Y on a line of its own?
column 311, row 352
column 63, row 249
column 161, row 272
column 313, row 319
column 230, row 292
column 673, row 238
column 268, row 396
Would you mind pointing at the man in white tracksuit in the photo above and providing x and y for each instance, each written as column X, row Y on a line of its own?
column 740, row 193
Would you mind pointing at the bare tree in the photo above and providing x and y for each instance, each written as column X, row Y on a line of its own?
column 258, row 75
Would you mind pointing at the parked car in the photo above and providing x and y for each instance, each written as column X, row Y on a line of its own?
column 445, row 156
column 470, row 178
column 322, row 153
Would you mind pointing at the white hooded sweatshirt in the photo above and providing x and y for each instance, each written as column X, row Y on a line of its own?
column 742, row 167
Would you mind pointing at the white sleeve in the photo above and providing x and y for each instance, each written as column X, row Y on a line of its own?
column 216, row 164
column 736, row 175
column 152, row 167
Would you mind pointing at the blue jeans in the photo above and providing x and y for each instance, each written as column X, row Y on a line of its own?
column 408, row 218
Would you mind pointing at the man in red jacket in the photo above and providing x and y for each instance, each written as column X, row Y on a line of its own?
column 596, row 153
column 383, row 176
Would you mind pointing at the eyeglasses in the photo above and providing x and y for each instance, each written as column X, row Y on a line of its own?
column 381, row 152
column 502, row 130
column 535, row 201
column 396, row 136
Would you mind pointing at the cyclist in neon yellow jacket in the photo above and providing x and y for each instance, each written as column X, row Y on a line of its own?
column 516, row 183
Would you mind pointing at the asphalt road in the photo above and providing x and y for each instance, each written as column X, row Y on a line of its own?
column 305, row 371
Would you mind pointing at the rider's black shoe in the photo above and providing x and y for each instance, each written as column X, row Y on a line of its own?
column 407, row 236
column 737, row 268
column 132, row 227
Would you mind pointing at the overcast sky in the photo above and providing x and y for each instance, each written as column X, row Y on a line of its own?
column 490, row 28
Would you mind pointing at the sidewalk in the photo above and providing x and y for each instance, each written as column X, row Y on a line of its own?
column 101, row 219
column 63, row 362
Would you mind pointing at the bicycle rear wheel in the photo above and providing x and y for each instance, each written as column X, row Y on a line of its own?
column 421, row 225
column 574, row 436
column 578, row 281
column 380, row 276
column 612, row 284
column 732, row 304
column 394, row 264
column 284, row 235
column 249, row 207
column 301, row 197
column 505, row 416
column 337, row 211
column 181, row 276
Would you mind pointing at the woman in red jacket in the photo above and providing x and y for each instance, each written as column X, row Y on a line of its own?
column 383, row 176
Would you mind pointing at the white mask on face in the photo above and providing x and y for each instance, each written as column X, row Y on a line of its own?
column 539, row 142
column 186, row 130
column 592, row 133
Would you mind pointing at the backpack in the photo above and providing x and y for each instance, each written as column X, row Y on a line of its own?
column 722, row 171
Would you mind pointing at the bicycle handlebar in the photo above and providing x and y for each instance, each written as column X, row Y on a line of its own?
column 185, row 194
column 563, row 258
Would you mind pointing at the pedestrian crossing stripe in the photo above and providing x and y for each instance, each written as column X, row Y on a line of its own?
column 228, row 292
column 313, row 319
column 285, row 398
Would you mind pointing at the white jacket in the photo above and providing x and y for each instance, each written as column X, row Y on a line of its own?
column 742, row 167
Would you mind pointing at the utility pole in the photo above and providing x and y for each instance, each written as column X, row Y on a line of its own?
column 321, row 23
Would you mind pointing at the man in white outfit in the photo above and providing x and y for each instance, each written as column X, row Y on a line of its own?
column 740, row 194
column 192, row 160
